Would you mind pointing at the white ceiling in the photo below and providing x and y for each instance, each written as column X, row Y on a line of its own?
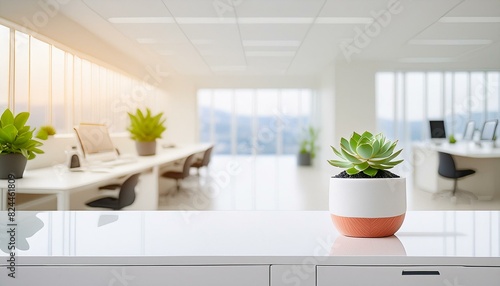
column 293, row 37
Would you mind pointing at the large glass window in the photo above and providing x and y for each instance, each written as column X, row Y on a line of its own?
column 4, row 67
column 63, row 89
column 254, row 121
column 21, row 72
column 456, row 97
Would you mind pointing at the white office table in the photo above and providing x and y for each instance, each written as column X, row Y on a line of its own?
column 60, row 181
column 469, row 149
column 248, row 248
column 485, row 160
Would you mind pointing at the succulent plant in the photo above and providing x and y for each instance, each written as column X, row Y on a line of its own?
column 366, row 153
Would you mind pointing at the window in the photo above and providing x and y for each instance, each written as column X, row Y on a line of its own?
column 456, row 97
column 254, row 121
column 4, row 67
column 63, row 89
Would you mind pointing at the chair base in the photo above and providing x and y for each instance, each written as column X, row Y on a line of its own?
column 454, row 196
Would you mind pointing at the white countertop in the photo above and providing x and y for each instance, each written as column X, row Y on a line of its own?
column 173, row 237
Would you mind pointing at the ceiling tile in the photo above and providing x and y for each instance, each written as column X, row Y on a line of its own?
column 128, row 8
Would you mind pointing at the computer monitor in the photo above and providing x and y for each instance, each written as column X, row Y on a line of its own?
column 95, row 142
column 469, row 131
column 438, row 132
column 489, row 129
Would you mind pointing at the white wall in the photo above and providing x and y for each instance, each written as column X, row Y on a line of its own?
column 327, row 118
column 355, row 108
column 181, row 111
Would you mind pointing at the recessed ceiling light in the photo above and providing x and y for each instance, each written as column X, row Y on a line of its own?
column 275, row 20
column 470, row 20
column 205, row 20
column 245, row 20
column 469, row 42
column 141, row 20
column 344, row 20
column 270, row 53
column 426, row 60
column 290, row 43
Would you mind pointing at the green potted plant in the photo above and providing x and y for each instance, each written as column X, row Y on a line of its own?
column 17, row 145
column 308, row 147
column 145, row 129
column 45, row 131
column 367, row 200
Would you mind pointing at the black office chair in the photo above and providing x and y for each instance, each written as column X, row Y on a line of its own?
column 203, row 162
column 126, row 196
column 447, row 169
column 180, row 175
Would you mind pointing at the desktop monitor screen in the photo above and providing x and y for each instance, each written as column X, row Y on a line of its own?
column 489, row 129
column 95, row 142
column 437, row 129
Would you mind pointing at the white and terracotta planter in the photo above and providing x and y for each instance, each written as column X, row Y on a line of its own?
column 368, row 207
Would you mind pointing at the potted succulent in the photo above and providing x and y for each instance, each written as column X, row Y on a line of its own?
column 307, row 148
column 17, row 145
column 45, row 131
column 145, row 129
column 367, row 200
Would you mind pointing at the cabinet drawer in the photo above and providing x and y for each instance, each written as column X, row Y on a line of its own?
column 138, row 275
column 407, row 276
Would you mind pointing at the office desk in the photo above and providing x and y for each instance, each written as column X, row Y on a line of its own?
column 259, row 248
column 469, row 149
column 60, row 181
column 485, row 160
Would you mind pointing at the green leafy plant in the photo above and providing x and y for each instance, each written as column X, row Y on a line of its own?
column 45, row 131
column 308, row 143
column 366, row 153
column 452, row 139
column 146, row 127
column 16, row 137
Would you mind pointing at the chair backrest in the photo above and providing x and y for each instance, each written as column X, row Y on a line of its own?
column 187, row 165
column 489, row 130
column 126, row 196
column 446, row 167
column 206, row 156
column 469, row 130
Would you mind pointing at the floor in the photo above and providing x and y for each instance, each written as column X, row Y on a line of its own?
column 277, row 183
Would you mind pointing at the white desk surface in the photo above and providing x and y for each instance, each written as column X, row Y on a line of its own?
column 59, row 178
column 465, row 149
column 62, row 182
column 247, row 237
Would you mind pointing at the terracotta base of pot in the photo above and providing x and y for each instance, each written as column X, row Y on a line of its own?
column 368, row 227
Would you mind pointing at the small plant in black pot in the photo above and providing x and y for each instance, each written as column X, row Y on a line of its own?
column 308, row 147
column 16, row 144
